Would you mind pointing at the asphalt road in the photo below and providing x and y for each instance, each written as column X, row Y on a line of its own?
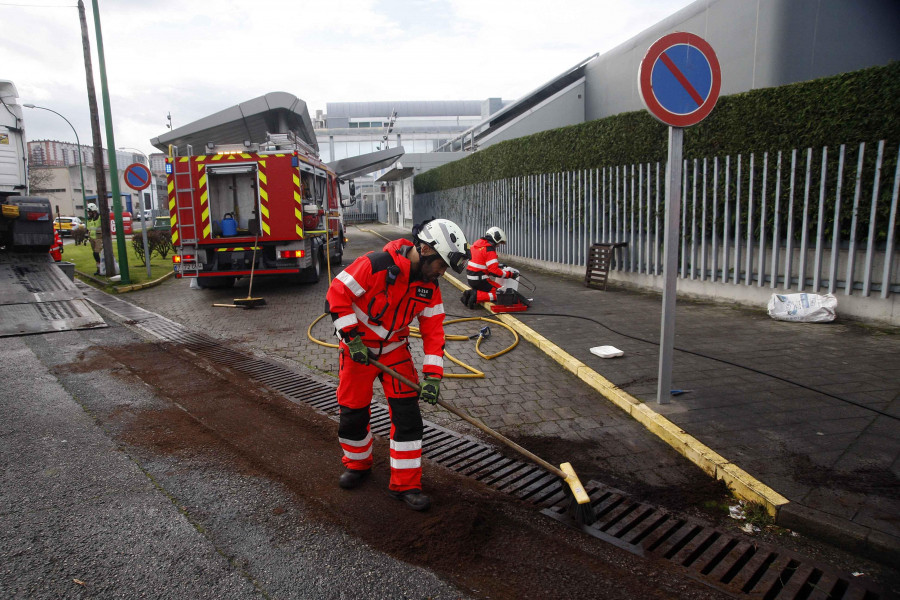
column 86, row 513
column 85, row 516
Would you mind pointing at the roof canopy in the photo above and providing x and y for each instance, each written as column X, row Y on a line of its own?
column 348, row 168
column 397, row 174
column 276, row 112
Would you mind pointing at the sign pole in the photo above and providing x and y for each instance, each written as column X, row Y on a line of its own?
column 138, row 178
column 670, row 262
column 679, row 79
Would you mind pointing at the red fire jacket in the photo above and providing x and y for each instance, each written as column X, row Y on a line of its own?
column 483, row 262
column 375, row 297
column 56, row 250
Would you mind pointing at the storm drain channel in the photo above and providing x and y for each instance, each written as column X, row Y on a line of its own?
column 714, row 557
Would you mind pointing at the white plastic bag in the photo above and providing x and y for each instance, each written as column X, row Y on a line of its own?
column 102, row 267
column 804, row 308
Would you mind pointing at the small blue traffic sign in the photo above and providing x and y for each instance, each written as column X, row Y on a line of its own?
column 680, row 79
column 137, row 176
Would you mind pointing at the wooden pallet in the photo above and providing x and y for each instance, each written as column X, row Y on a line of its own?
column 600, row 257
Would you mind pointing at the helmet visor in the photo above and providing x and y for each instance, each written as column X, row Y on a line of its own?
column 457, row 261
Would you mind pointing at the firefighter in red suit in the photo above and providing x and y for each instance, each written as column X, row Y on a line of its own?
column 372, row 303
column 484, row 272
column 56, row 250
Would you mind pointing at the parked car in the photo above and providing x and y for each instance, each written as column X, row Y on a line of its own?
column 65, row 225
column 148, row 214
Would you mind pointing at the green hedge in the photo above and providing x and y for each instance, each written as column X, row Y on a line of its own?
column 849, row 108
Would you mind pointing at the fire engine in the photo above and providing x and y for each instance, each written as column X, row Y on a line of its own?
column 276, row 198
column 255, row 196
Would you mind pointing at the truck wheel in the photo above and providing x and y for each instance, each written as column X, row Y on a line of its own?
column 312, row 273
column 213, row 283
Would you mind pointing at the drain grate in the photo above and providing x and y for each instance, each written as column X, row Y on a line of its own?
column 704, row 553
column 710, row 555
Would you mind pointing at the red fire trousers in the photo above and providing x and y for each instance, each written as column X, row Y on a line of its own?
column 354, row 396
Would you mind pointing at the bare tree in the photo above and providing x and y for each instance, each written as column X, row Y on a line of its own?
column 39, row 179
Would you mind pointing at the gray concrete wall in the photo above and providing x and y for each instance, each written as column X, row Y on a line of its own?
column 563, row 108
column 423, row 161
column 759, row 43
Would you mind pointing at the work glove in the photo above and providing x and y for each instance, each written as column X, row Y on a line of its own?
column 430, row 390
column 512, row 274
column 358, row 351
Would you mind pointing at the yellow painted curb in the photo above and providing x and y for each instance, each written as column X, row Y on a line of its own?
column 141, row 286
column 742, row 484
column 453, row 280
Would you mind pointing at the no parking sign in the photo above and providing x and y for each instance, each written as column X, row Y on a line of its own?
column 679, row 79
column 137, row 176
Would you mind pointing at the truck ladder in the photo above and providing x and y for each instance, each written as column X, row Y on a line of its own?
column 187, row 227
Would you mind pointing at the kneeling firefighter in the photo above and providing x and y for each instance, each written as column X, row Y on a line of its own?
column 485, row 274
column 372, row 302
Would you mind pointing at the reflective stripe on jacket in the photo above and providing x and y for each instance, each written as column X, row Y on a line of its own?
column 484, row 261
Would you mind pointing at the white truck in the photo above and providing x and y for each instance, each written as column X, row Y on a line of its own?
column 26, row 222
column 12, row 142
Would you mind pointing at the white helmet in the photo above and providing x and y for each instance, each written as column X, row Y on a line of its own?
column 447, row 239
column 497, row 235
column 93, row 207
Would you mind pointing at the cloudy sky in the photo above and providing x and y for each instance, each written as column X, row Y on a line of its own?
column 191, row 58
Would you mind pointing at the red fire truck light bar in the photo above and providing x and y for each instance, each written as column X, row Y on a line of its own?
column 291, row 253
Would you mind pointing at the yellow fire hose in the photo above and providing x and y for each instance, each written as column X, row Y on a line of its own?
column 473, row 373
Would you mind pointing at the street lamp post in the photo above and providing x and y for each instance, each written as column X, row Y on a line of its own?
column 143, row 221
column 80, row 166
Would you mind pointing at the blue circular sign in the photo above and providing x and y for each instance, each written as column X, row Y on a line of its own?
column 137, row 176
column 680, row 79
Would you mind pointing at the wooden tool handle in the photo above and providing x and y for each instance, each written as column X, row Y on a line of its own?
column 496, row 435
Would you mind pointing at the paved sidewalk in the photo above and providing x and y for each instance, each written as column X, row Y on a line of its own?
column 836, row 462
column 811, row 410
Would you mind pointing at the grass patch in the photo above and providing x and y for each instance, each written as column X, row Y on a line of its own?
column 758, row 515
column 84, row 262
column 715, row 506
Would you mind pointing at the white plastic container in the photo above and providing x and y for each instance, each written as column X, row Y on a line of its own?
column 606, row 351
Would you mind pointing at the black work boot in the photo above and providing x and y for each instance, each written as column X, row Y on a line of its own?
column 351, row 478
column 414, row 499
